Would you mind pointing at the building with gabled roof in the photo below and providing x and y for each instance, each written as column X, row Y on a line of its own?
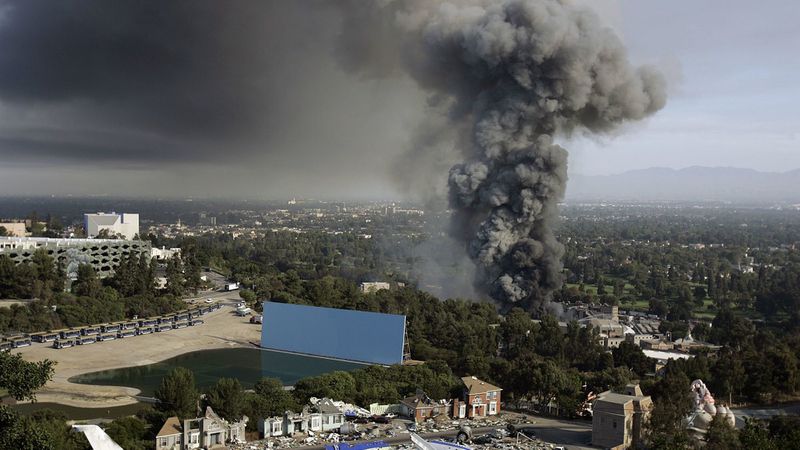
column 480, row 399
column 420, row 407
column 169, row 437
column 208, row 432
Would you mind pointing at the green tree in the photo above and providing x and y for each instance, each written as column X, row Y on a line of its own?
column 227, row 399
column 174, row 275
column 278, row 398
column 785, row 431
column 672, row 402
column 721, row 435
column 86, row 284
column 130, row 433
column 21, row 378
column 338, row 385
column 268, row 400
column 178, row 394
column 248, row 296
column 601, row 286
column 631, row 356
column 755, row 435
column 40, row 431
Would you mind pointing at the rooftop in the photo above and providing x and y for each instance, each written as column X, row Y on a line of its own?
column 171, row 426
column 476, row 386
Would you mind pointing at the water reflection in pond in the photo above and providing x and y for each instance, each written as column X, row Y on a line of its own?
column 245, row 364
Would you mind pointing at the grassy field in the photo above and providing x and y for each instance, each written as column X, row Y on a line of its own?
column 640, row 304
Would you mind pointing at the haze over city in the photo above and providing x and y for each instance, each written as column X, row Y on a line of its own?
column 267, row 106
column 399, row 225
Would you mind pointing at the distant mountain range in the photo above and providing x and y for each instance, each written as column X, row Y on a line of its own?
column 695, row 183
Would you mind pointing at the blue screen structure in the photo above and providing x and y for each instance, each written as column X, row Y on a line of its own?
column 334, row 333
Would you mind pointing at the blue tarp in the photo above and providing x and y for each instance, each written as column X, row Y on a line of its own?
column 361, row 446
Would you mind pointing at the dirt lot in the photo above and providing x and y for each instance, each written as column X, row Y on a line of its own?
column 222, row 329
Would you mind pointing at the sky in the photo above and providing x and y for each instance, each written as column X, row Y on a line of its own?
column 256, row 100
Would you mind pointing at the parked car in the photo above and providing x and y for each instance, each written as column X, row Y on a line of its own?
column 379, row 419
column 208, row 300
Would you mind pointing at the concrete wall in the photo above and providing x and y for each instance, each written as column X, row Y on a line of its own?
column 102, row 254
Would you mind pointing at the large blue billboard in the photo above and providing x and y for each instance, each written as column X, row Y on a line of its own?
column 334, row 333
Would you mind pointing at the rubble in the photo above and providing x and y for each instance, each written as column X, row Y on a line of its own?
column 497, row 438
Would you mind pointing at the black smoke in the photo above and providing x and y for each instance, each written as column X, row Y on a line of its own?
column 515, row 74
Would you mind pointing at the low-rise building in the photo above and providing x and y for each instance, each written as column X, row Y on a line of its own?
column 207, row 432
column 618, row 419
column 480, row 399
column 170, row 435
column 369, row 287
column 420, row 407
column 14, row 229
column 163, row 253
column 323, row 415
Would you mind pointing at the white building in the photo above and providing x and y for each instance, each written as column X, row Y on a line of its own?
column 369, row 287
column 124, row 224
column 164, row 253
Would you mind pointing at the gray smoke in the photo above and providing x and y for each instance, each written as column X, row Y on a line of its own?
column 515, row 74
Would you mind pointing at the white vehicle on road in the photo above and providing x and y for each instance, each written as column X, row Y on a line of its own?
column 209, row 300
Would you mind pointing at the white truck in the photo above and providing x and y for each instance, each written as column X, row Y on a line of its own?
column 232, row 287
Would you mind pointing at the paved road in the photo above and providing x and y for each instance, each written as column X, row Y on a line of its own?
column 572, row 434
column 765, row 412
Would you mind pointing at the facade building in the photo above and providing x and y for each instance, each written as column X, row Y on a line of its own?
column 618, row 419
column 170, row 437
column 480, row 399
column 323, row 415
column 369, row 287
column 102, row 254
column 163, row 253
column 14, row 229
column 420, row 407
column 207, row 432
column 125, row 224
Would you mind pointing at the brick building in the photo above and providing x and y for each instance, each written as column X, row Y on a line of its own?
column 421, row 407
column 480, row 399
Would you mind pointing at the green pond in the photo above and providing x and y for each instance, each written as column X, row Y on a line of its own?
column 245, row 364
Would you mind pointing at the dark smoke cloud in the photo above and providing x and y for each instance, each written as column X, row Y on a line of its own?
column 515, row 74
column 152, row 83
column 185, row 67
column 248, row 90
column 158, row 81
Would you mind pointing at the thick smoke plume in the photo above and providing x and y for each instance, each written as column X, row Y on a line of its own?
column 515, row 74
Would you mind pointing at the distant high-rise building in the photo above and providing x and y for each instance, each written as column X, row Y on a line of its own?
column 213, row 220
column 126, row 225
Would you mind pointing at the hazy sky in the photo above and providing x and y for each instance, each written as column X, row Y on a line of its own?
column 250, row 98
